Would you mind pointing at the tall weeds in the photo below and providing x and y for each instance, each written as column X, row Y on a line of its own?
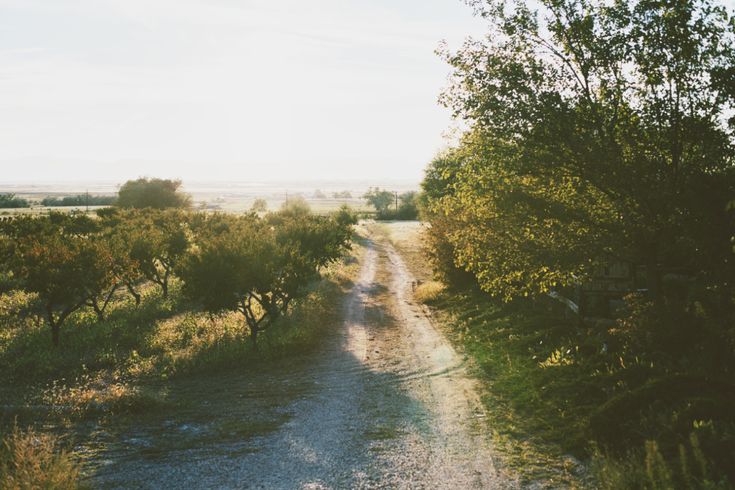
column 31, row 460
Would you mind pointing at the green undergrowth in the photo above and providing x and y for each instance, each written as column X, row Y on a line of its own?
column 558, row 396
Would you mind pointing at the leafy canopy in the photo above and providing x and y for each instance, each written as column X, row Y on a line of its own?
column 152, row 193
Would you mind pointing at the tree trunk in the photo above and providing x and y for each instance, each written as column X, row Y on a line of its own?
column 55, row 327
column 164, row 288
column 100, row 313
column 134, row 293
column 254, row 336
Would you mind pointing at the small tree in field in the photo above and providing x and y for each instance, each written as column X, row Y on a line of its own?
column 105, row 272
column 152, row 193
column 381, row 200
column 120, row 230
column 260, row 205
column 295, row 206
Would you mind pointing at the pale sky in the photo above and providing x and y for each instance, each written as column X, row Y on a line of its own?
column 224, row 89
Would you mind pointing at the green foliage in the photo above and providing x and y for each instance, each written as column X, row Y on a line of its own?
column 257, row 267
column 576, row 112
column 10, row 201
column 554, row 382
column 390, row 205
column 381, row 200
column 436, row 198
column 253, row 265
column 601, row 132
column 295, row 206
column 55, row 258
column 152, row 193
column 105, row 364
column 158, row 242
column 260, row 205
column 648, row 468
column 79, row 200
column 408, row 206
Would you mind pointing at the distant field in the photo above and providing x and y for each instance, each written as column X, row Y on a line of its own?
column 230, row 197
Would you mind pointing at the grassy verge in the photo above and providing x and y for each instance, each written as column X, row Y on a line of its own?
column 538, row 403
column 558, row 394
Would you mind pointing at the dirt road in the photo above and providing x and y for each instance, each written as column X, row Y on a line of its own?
column 387, row 403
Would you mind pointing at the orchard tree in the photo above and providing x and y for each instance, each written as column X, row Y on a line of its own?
column 64, row 270
column 258, row 266
column 307, row 244
column 158, row 241
column 120, row 233
column 105, row 275
column 234, row 270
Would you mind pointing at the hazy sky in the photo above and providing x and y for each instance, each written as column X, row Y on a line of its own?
column 223, row 89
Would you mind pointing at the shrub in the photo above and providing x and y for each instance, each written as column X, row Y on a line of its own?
column 79, row 200
column 11, row 201
column 29, row 459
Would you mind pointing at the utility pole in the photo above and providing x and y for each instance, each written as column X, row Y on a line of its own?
column 396, row 194
column 87, row 201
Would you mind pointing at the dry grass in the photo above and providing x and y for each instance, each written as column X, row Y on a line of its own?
column 428, row 292
column 30, row 460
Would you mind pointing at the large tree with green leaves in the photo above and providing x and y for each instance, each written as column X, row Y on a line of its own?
column 152, row 193
column 598, row 130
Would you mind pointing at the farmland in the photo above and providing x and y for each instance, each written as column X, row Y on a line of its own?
column 218, row 196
